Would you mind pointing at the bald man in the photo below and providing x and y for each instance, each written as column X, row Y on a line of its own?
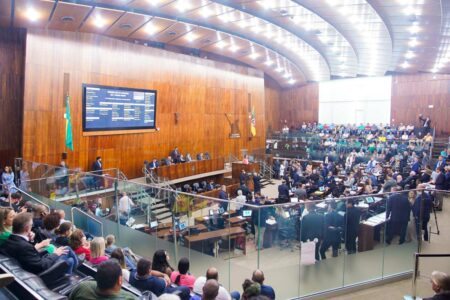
column 266, row 290
column 212, row 273
column 210, row 290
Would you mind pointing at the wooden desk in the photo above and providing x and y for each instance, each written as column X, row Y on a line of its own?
column 366, row 240
column 236, row 221
column 190, row 168
column 216, row 235
column 161, row 234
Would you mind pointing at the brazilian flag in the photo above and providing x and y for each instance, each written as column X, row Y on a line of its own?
column 69, row 139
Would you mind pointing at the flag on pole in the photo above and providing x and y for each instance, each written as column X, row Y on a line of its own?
column 253, row 122
column 69, row 140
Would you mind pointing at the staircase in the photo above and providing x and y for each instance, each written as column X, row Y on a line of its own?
column 266, row 173
column 439, row 144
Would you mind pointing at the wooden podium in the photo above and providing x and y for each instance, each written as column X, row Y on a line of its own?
column 237, row 167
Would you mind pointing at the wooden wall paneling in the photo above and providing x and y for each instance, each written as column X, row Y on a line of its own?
column 12, row 64
column 201, row 91
column 413, row 94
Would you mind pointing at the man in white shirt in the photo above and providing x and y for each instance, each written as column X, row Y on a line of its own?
column 240, row 200
column 212, row 273
column 125, row 204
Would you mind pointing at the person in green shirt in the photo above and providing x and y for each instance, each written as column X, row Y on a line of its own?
column 7, row 215
column 107, row 284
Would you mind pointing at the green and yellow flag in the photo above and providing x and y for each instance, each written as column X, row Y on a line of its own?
column 69, row 140
column 253, row 122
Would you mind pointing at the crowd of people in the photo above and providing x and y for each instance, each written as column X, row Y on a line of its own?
column 175, row 157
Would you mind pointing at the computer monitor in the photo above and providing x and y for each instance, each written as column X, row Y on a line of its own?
column 247, row 213
column 221, row 210
column 211, row 212
column 294, row 200
column 370, row 200
column 286, row 214
column 322, row 188
column 153, row 224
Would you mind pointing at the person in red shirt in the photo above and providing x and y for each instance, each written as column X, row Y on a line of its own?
column 79, row 244
column 182, row 276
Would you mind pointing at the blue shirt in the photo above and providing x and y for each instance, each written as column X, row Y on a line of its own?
column 150, row 283
column 267, row 290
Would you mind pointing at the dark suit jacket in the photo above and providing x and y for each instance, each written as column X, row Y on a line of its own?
column 353, row 216
column 333, row 226
column 440, row 181
column 398, row 208
column 283, row 191
column 98, row 168
column 416, row 167
column 29, row 258
column 313, row 226
column 256, row 183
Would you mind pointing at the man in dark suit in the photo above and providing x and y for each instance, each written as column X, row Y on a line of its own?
column 19, row 246
column 224, row 196
column 154, row 164
column 97, row 167
column 333, row 229
column 256, row 183
column 168, row 161
column 175, row 155
column 416, row 165
column 422, row 211
column 352, row 218
column 440, row 185
column 440, row 163
column 283, row 192
column 243, row 177
column 398, row 211
column 312, row 227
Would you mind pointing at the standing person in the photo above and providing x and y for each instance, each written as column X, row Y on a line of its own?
column 97, row 168
column 439, row 181
column 333, row 228
column 422, row 215
column 24, row 178
column 397, row 212
column 352, row 218
column 256, row 183
column 8, row 181
column 313, row 225
column 125, row 204
column 224, row 196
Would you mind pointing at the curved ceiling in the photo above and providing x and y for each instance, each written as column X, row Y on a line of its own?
column 293, row 41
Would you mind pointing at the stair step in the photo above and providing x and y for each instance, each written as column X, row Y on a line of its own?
column 159, row 205
column 166, row 220
column 164, row 216
column 160, row 210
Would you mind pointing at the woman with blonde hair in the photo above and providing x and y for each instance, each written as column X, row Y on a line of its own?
column 7, row 215
column 98, row 251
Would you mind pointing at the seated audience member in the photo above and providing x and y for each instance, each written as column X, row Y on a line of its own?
column 266, row 290
column 250, row 289
column 79, row 244
column 62, row 216
column 144, row 281
column 97, row 251
column 120, row 257
column 63, row 233
column 7, row 215
column 182, row 276
column 188, row 157
column 39, row 211
column 440, row 283
column 51, row 222
column 210, row 290
column 212, row 273
column 161, row 262
column 110, row 244
column 200, row 156
column 19, row 246
column 107, row 285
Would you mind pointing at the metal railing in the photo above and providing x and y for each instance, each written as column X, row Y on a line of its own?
column 416, row 271
column 87, row 215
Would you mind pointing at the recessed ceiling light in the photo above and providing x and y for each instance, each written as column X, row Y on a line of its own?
column 67, row 19
column 292, row 81
column 150, row 29
column 221, row 45
column 413, row 42
column 190, row 37
column 279, row 69
column 206, row 12
column 254, row 55
column 99, row 21
column 183, row 6
column 434, row 70
column 286, row 75
column 414, row 29
column 234, row 48
column 269, row 63
column 32, row 14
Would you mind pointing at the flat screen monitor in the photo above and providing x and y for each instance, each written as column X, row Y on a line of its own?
column 247, row 213
column 118, row 108
column 369, row 200
column 294, row 200
column 182, row 226
column 221, row 210
column 211, row 212
column 153, row 224
column 322, row 188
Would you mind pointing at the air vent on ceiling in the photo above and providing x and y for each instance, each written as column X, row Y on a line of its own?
column 67, row 19
column 207, row 41
column 243, row 51
column 171, row 33
column 126, row 26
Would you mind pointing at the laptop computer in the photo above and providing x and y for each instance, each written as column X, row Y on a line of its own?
column 247, row 213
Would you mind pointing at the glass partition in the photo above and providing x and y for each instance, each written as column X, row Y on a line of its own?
column 304, row 247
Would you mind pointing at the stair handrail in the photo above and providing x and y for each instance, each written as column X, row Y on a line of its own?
column 416, row 268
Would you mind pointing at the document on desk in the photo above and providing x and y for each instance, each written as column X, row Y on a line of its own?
column 271, row 221
column 308, row 256
column 321, row 205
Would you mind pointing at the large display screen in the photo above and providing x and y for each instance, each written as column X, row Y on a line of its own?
column 118, row 108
